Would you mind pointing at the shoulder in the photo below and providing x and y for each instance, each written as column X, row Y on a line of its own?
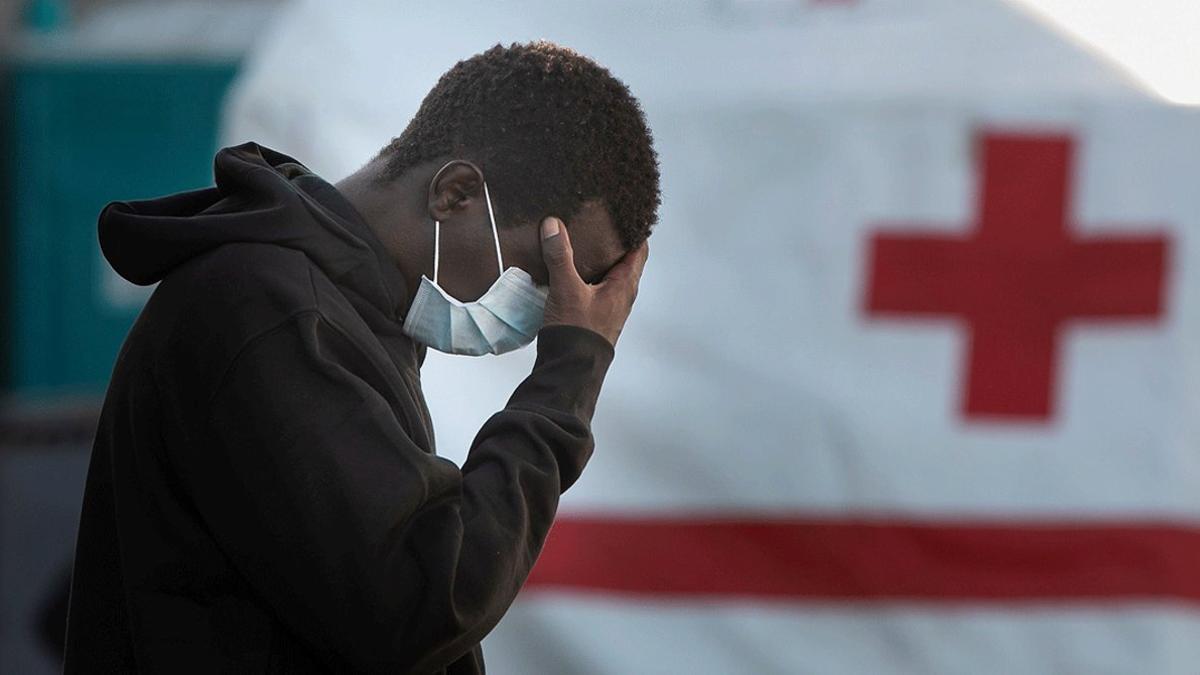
column 266, row 278
column 207, row 309
column 244, row 285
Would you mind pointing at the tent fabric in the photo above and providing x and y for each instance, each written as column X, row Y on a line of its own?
column 689, row 54
column 911, row 381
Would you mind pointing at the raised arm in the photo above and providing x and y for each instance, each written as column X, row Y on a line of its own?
column 384, row 557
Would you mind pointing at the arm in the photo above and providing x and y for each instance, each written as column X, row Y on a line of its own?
column 384, row 557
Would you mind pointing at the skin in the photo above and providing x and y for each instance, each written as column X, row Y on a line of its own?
column 592, row 278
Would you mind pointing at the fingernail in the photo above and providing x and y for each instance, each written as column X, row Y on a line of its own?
column 549, row 227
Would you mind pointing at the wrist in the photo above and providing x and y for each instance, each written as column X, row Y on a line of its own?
column 556, row 324
column 568, row 372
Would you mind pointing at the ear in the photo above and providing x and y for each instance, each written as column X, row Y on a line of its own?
column 452, row 188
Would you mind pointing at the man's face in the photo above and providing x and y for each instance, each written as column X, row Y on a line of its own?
column 593, row 237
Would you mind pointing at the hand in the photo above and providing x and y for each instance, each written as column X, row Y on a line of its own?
column 602, row 307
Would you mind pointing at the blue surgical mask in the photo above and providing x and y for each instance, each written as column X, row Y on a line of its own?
column 506, row 317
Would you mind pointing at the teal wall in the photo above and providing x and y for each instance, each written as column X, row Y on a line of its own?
column 84, row 134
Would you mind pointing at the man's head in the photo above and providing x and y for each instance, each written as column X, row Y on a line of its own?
column 553, row 134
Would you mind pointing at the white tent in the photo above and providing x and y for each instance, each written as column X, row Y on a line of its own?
column 848, row 483
column 359, row 69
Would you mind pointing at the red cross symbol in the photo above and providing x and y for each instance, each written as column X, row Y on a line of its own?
column 1018, row 276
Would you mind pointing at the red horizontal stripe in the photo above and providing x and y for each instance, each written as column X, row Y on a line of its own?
column 849, row 559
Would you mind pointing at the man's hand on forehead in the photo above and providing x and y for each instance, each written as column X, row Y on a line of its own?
column 602, row 306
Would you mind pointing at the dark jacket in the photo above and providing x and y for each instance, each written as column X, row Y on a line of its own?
column 263, row 494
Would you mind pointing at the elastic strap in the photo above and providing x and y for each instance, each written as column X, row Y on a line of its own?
column 437, row 237
column 495, row 233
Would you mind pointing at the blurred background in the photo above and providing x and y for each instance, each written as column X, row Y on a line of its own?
column 913, row 383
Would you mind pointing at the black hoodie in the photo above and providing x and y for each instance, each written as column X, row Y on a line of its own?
column 263, row 494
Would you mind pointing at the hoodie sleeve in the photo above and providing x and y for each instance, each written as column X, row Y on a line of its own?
column 382, row 556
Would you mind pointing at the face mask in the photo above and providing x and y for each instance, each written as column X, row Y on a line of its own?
column 506, row 317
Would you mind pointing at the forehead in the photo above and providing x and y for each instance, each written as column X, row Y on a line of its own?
column 594, row 240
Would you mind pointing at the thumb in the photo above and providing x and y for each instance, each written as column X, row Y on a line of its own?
column 557, row 252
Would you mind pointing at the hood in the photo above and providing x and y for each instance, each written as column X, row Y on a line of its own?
column 261, row 196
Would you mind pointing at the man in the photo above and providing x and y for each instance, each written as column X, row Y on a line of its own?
column 263, row 494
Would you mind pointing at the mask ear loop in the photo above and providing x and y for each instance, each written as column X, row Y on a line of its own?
column 437, row 236
column 495, row 233
column 437, row 229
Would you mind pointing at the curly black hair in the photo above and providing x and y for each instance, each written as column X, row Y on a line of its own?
column 549, row 127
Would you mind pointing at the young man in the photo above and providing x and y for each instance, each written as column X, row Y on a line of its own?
column 263, row 494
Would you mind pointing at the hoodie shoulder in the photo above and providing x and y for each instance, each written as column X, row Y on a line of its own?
column 267, row 278
column 206, row 309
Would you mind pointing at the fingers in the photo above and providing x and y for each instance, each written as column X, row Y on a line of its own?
column 631, row 265
column 558, row 254
column 639, row 264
